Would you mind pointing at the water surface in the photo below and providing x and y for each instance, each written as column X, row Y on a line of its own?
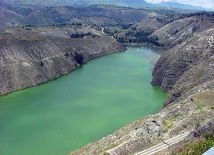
column 76, row 109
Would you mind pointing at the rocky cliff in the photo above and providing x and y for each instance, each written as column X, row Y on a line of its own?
column 186, row 66
column 32, row 56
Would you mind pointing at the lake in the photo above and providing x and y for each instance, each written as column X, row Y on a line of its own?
column 81, row 107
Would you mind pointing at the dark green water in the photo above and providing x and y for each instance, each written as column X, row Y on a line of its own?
column 93, row 101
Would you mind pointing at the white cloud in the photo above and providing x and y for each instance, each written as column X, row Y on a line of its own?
column 209, row 4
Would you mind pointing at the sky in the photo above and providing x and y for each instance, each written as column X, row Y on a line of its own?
column 208, row 4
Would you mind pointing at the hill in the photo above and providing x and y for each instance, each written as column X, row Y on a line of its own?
column 134, row 3
column 14, row 16
column 32, row 56
column 179, row 6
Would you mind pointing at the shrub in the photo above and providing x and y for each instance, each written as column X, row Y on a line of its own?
column 78, row 57
column 27, row 28
column 167, row 124
column 198, row 147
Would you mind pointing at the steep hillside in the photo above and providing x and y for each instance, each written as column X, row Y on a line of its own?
column 186, row 66
column 180, row 30
column 166, row 30
column 179, row 6
column 10, row 18
column 32, row 56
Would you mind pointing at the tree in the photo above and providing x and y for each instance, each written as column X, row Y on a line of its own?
column 78, row 57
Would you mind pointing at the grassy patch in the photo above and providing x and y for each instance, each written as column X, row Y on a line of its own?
column 155, row 116
column 110, row 147
column 198, row 147
column 167, row 124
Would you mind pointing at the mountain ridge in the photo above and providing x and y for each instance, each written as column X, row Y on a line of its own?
column 179, row 6
column 136, row 3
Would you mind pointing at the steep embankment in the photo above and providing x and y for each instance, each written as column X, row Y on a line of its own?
column 29, row 57
column 186, row 66
column 186, row 72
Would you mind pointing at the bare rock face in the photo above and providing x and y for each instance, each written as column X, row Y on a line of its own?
column 186, row 66
column 36, row 55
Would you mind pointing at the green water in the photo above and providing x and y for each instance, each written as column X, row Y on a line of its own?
column 76, row 109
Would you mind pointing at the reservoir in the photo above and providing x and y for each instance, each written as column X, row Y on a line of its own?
column 81, row 107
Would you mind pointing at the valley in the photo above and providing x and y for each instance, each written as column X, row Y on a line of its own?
column 42, row 43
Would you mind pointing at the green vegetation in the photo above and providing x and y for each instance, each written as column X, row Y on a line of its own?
column 139, row 37
column 155, row 116
column 167, row 124
column 198, row 147
column 110, row 147
column 78, row 57
column 201, row 109
column 82, row 35
column 4, row 33
column 159, row 133
column 27, row 28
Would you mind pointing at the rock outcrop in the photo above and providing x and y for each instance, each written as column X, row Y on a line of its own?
column 32, row 56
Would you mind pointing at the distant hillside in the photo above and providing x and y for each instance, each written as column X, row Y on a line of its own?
column 129, row 3
column 140, row 3
column 12, row 15
column 179, row 5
